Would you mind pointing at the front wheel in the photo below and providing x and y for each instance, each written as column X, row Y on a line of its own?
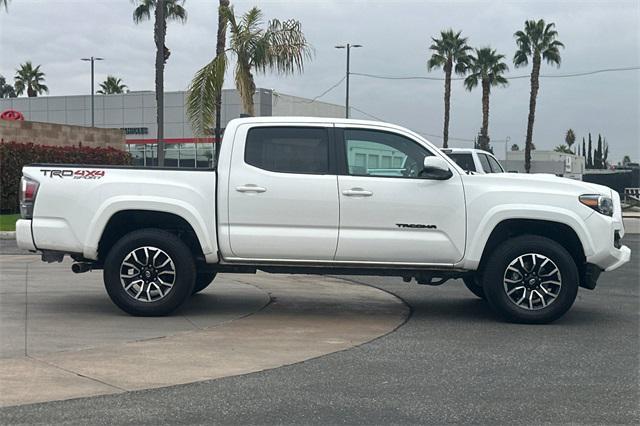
column 530, row 279
column 149, row 272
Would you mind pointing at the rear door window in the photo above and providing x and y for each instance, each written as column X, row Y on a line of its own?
column 302, row 150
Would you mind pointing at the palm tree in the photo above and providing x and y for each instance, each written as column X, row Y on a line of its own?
column 570, row 138
column 450, row 54
column 6, row 89
column 29, row 79
column 538, row 41
column 172, row 10
column 280, row 47
column 486, row 68
column 112, row 86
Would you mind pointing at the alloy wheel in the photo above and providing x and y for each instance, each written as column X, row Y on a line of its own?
column 532, row 281
column 147, row 274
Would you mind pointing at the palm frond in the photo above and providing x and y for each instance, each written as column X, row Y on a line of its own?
column 435, row 61
column 471, row 81
column 202, row 92
column 450, row 48
column 283, row 48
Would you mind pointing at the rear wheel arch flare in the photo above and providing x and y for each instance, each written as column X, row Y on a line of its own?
column 126, row 221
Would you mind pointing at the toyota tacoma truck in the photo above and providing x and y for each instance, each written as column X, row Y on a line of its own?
column 324, row 196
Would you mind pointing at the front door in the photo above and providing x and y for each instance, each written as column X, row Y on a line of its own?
column 283, row 197
column 388, row 213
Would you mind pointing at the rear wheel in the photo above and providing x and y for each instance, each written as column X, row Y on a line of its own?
column 149, row 272
column 530, row 279
column 474, row 285
column 203, row 279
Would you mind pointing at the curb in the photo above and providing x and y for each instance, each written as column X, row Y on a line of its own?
column 7, row 235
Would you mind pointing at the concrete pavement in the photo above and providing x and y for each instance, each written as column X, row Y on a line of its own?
column 63, row 338
column 451, row 362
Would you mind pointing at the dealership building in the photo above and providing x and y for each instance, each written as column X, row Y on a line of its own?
column 135, row 114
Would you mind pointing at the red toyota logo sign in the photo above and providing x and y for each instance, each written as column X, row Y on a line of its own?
column 12, row 114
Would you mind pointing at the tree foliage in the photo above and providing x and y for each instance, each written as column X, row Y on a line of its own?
column 112, row 85
column 6, row 89
column 30, row 79
column 279, row 47
column 570, row 138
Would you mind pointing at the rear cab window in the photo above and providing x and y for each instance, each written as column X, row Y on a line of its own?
column 464, row 160
column 303, row 150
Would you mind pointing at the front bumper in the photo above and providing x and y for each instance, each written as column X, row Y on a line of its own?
column 617, row 258
column 24, row 236
column 606, row 232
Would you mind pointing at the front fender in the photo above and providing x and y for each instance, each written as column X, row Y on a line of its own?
column 479, row 229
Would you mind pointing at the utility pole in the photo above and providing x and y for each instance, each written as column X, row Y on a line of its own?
column 92, row 60
column 348, row 47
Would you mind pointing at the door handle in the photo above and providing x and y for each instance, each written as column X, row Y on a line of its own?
column 250, row 188
column 357, row 192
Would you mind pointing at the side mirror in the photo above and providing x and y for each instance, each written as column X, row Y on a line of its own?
column 435, row 168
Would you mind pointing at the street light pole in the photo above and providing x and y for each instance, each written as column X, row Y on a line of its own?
column 348, row 47
column 92, row 60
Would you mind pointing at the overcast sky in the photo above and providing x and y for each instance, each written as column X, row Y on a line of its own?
column 395, row 35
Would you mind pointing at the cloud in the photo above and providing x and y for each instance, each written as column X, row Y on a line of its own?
column 395, row 35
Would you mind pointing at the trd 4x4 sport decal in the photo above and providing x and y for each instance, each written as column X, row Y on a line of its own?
column 78, row 174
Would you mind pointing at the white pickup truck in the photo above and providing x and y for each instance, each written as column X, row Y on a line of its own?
column 318, row 196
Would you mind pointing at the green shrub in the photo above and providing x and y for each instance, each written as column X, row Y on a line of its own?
column 14, row 156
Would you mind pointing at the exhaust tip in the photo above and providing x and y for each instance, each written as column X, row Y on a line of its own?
column 80, row 267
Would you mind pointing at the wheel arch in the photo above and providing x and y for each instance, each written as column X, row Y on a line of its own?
column 125, row 221
column 559, row 232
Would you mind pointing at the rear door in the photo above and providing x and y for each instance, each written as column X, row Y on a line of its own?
column 282, row 194
column 388, row 213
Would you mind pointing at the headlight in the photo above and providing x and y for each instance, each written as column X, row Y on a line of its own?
column 600, row 203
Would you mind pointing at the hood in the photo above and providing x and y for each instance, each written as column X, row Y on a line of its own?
column 544, row 182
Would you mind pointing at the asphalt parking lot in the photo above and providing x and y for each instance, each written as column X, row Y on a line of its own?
column 451, row 362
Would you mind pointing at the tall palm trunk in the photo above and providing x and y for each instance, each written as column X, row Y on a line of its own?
column 160, row 32
column 447, row 99
column 247, row 93
column 221, row 42
column 486, row 90
column 31, row 93
column 535, row 74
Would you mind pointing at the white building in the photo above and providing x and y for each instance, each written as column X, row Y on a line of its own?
column 557, row 163
column 135, row 113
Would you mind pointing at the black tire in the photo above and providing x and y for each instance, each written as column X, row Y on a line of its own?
column 474, row 286
column 203, row 279
column 523, row 247
column 170, row 247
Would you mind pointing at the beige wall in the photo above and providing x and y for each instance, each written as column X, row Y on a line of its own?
column 60, row 134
